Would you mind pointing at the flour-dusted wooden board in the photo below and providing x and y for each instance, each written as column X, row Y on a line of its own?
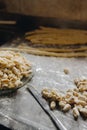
column 23, row 112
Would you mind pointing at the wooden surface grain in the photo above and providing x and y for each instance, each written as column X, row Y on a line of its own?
column 64, row 9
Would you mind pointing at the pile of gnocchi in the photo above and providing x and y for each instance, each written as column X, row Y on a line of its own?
column 13, row 67
column 74, row 99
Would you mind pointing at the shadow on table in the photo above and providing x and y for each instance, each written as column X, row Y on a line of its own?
column 4, row 128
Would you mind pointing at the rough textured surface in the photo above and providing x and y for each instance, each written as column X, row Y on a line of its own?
column 65, row 9
column 22, row 111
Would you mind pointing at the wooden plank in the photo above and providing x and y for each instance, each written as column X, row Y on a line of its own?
column 63, row 9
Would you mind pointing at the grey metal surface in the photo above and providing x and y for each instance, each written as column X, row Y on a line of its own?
column 22, row 112
column 45, row 106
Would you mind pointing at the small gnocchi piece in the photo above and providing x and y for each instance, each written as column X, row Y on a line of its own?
column 62, row 104
column 76, row 90
column 68, row 95
column 66, row 71
column 83, row 111
column 67, row 107
column 52, row 105
column 75, row 112
column 80, row 102
column 71, row 100
column 5, row 76
column 18, row 82
column 75, row 93
column 82, row 88
column 82, row 97
column 16, row 71
column 1, row 73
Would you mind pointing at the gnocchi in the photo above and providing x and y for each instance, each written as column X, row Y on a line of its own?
column 13, row 67
column 75, row 99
